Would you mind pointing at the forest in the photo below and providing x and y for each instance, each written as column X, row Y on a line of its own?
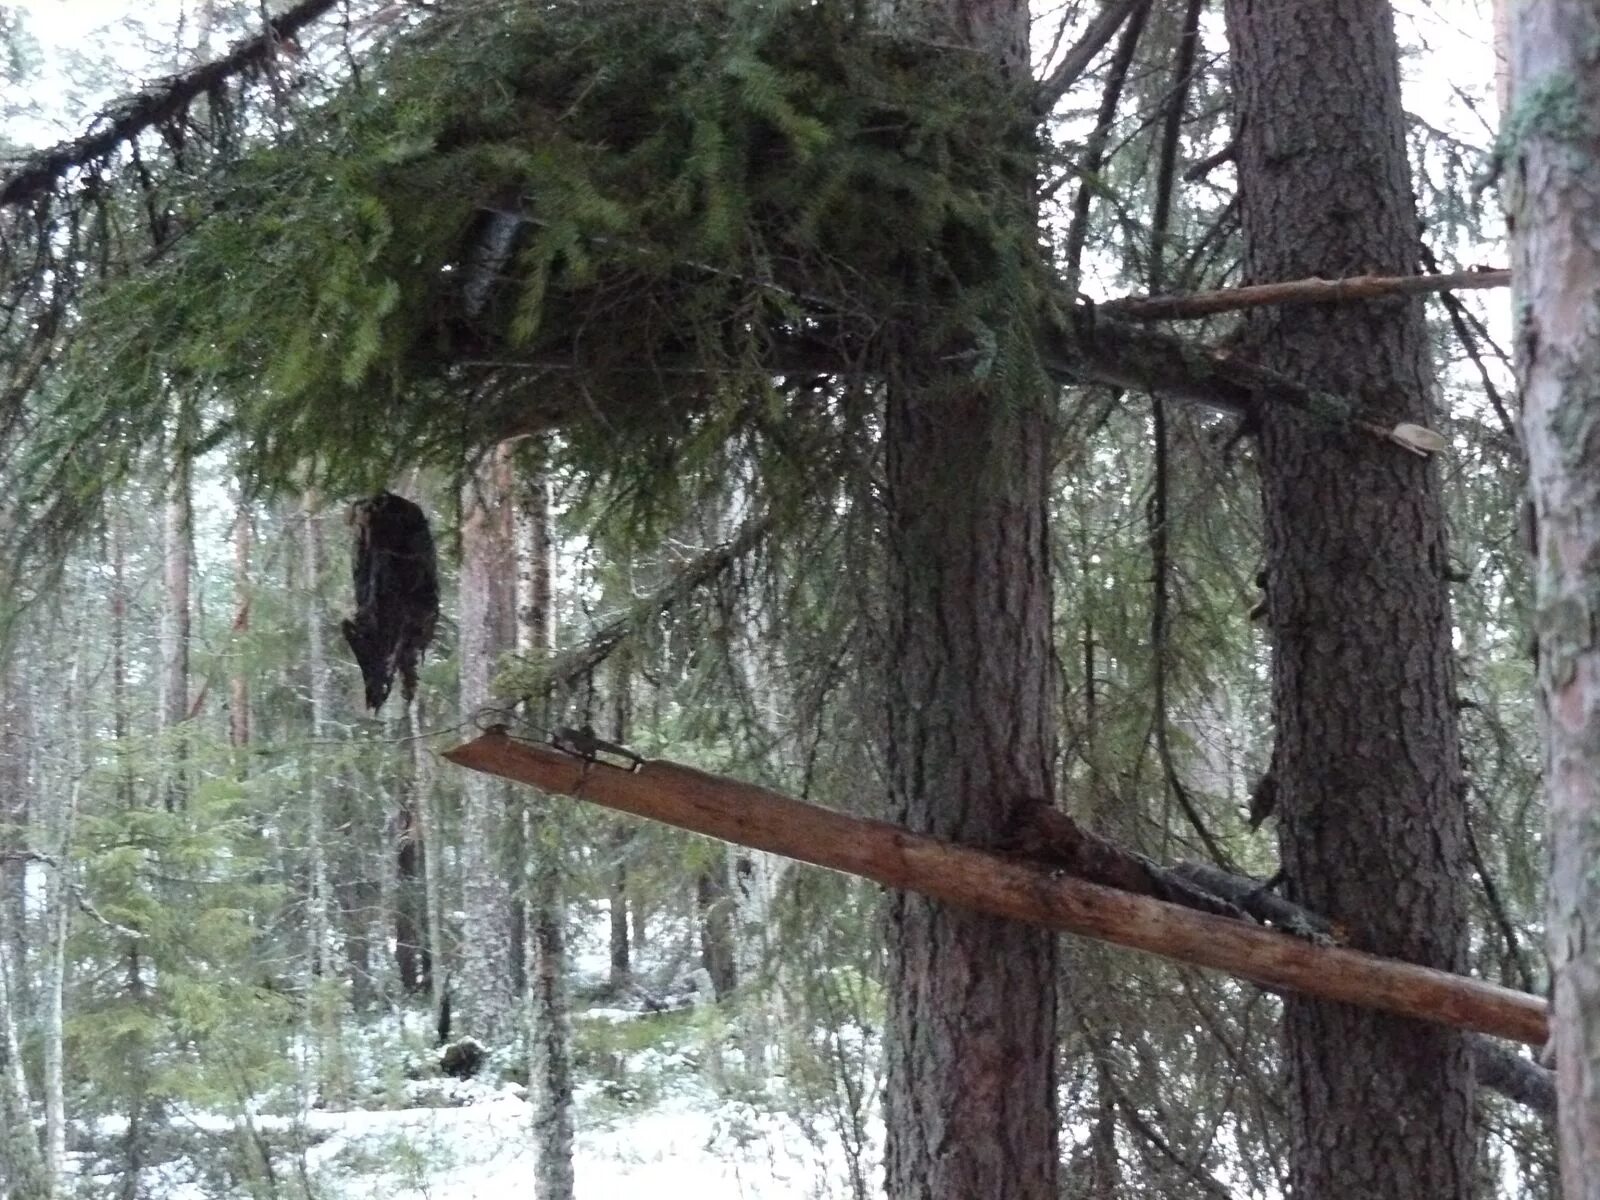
column 798, row 599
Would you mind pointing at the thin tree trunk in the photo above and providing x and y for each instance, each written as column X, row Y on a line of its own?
column 430, row 844
column 621, row 948
column 1555, row 173
column 60, row 822
column 324, row 1003
column 713, row 910
column 970, row 1096
column 140, row 1114
column 1371, row 815
column 483, row 993
column 16, row 718
column 22, row 1164
column 549, row 1016
column 239, row 679
column 127, row 796
column 317, row 903
column 177, row 570
column 621, row 838
column 410, row 911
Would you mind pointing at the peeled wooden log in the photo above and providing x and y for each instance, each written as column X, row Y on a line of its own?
column 1009, row 887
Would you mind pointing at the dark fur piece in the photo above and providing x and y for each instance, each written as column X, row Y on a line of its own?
column 397, row 594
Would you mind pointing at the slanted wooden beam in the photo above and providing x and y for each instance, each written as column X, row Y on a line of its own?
column 1299, row 291
column 1009, row 887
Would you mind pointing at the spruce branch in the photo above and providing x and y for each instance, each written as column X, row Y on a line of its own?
column 156, row 104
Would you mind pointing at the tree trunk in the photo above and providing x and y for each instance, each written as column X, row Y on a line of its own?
column 177, row 569
column 549, row 1015
column 59, row 824
column 712, row 908
column 970, row 1095
column 482, row 993
column 239, row 679
column 1555, row 173
column 324, row 1011
column 22, row 1164
column 16, row 715
column 138, row 1086
column 431, row 846
column 621, row 836
column 1372, row 822
column 318, row 921
column 410, row 913
column 621, row 977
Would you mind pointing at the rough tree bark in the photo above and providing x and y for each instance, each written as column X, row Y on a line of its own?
column 1555, row 182
column 970, row 1095
column 1372, row 823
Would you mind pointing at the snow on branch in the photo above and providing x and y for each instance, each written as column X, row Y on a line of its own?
column 1012, row 887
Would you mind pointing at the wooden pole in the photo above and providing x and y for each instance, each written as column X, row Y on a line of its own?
column 1009, row 887
column 1299, row 291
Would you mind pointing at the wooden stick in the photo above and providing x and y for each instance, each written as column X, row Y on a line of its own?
column 1298, row 291
column 1007, row 887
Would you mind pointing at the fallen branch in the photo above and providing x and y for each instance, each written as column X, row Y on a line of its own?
column 1006, row 887
column 144, row 110
column 568, row 668
column 73, row 886
column 1076, row 61
column 1521, row 1080
column 1089, row 348
column 1298, row 291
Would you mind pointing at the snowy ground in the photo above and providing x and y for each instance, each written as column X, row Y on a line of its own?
column 653, row 1123
column 470, row 1141
column 479, row 1152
